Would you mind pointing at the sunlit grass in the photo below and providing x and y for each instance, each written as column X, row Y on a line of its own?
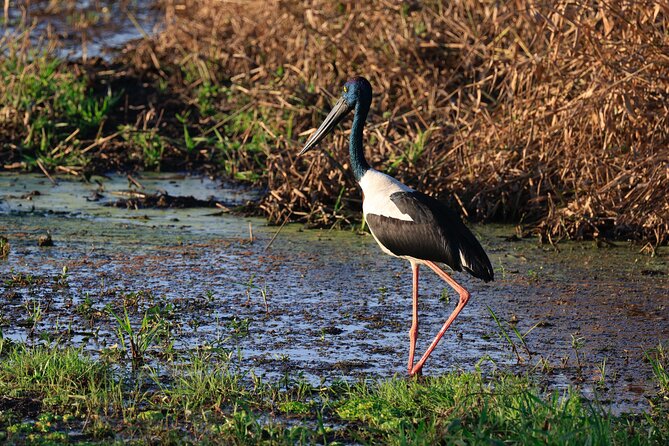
column 206, row 398
column 64, row 379
column 659, row 361
column 49, row 109
column 60, row 115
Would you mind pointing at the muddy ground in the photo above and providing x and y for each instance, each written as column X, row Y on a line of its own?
column 325, row 304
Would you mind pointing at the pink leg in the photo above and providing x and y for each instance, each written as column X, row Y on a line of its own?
column 413, row 333
column 464, row 297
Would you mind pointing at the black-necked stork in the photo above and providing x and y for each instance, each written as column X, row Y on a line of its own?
column 406, row 223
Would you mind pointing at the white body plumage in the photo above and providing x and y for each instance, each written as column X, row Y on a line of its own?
column 377, row 188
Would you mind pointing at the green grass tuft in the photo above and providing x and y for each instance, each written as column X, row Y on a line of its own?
column 206, row 399
column 51, row 108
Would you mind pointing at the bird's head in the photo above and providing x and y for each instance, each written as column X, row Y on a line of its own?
column 356, row 91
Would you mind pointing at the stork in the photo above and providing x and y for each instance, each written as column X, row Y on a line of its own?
column 404, row 222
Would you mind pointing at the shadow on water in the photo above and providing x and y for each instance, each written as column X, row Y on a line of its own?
column 326, row 303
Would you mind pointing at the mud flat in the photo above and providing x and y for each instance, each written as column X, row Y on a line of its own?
column 323, row 304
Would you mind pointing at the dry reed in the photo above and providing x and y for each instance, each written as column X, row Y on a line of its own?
column 551, row 114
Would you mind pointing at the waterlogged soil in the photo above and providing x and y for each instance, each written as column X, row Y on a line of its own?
column 326, row 304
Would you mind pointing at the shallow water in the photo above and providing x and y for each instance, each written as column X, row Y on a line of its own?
column 327, row 304
column 87, row 28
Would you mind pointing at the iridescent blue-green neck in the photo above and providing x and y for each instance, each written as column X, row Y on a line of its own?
column 358, row 162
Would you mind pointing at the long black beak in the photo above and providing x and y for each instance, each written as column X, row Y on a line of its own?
column 340, row 109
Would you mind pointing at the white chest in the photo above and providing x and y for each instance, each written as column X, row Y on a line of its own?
column 377, row 188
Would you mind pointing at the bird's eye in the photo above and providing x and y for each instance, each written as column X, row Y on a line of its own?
column 345, row 89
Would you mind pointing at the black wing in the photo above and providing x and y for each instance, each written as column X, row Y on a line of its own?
column 436, row 234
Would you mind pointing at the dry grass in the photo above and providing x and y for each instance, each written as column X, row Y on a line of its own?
column 553, row 113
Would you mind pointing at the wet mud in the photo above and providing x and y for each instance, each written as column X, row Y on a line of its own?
column 162, row 200
column 325, row 304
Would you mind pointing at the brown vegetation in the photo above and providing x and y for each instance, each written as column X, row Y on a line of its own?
column 551, row 114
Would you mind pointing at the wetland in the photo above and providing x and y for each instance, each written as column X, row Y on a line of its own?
column 148, row 294
column 171, row 273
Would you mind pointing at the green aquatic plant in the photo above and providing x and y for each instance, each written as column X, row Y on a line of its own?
column 61, row 280
column 659, row 361
column 577, row 344
column 505, row 335
column 138, row 340
column 239, row 328
column 149, row 141
column 4, row 247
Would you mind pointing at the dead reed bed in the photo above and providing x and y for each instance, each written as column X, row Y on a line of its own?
column 551, row 114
